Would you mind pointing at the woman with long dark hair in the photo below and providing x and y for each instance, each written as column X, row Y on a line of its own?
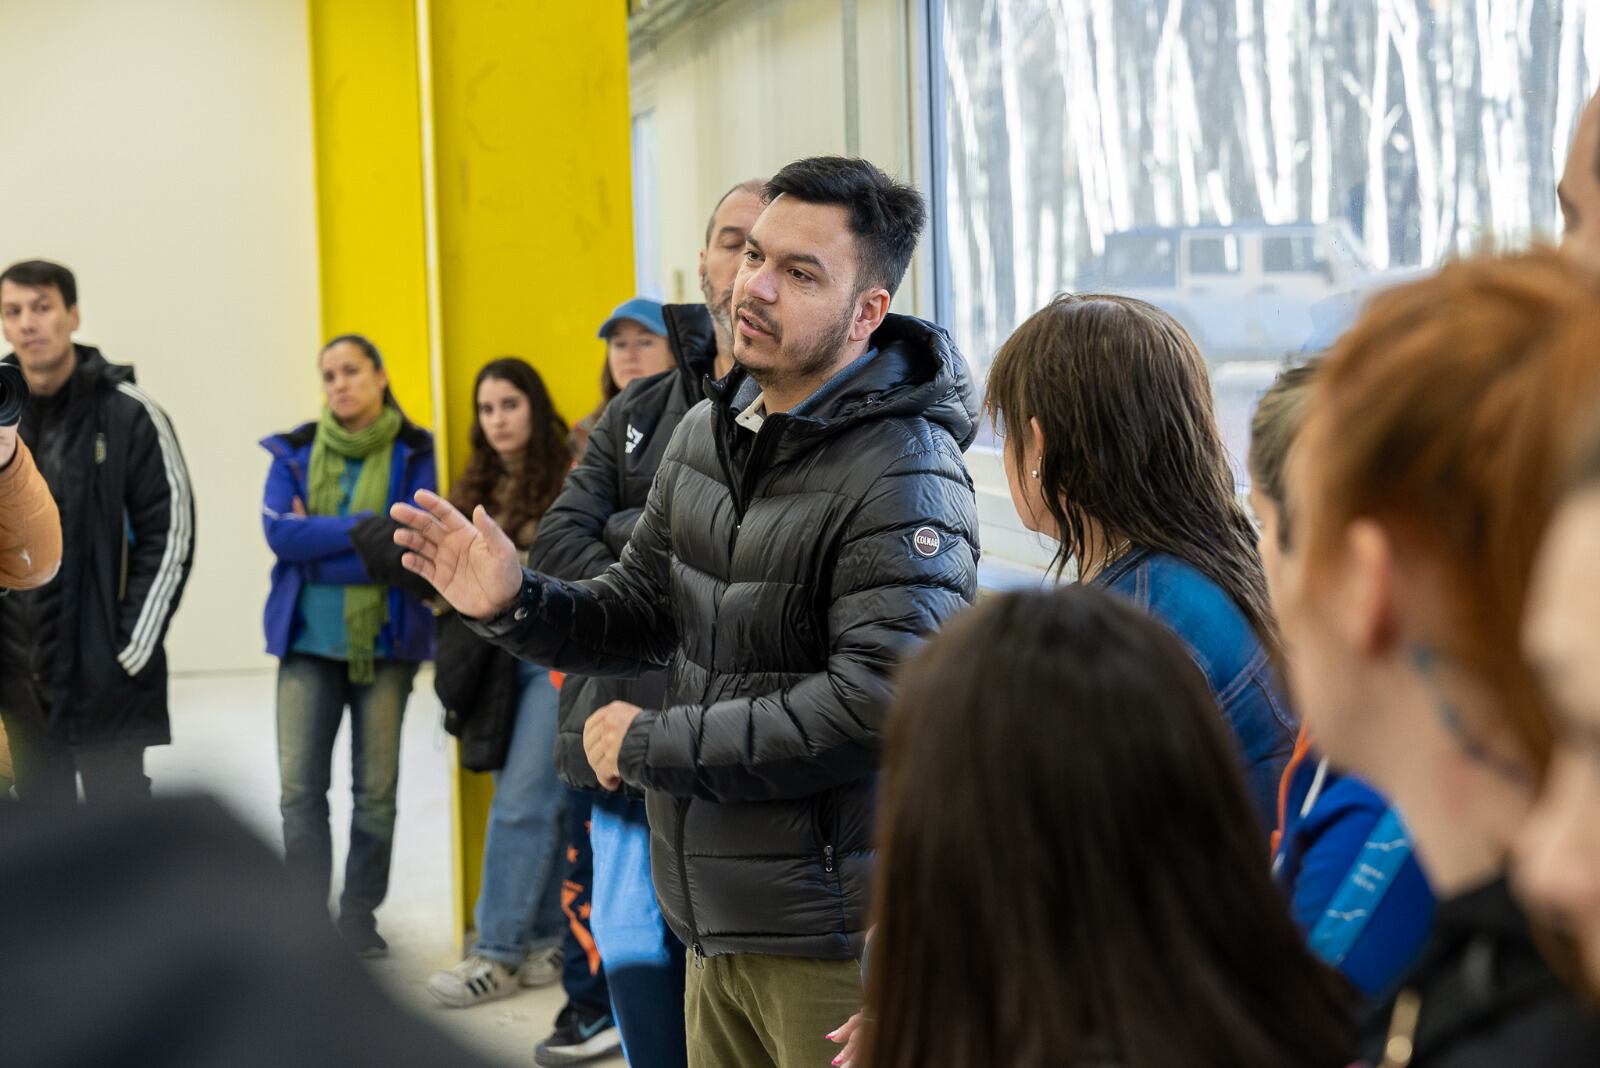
column 504, row 709
column 1112, row 449
column 1067, row 740
column 343, row 639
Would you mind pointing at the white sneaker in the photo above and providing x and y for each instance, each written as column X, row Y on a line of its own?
column 542, row 968
column 472, row 982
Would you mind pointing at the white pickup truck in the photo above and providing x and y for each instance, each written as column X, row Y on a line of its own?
column 1245, row 291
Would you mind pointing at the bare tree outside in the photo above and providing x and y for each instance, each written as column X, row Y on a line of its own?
column 1253, row 165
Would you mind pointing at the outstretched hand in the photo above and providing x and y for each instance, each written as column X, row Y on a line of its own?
column 473, row 564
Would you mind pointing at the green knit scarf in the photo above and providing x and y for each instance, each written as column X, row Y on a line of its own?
column 366, row 608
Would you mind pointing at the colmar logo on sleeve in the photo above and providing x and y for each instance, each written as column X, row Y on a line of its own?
column 926, row 541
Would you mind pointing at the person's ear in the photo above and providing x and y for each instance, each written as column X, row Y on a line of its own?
column 871, row 307
column 1370, row 609
column 73, row 319
column 1036, row 432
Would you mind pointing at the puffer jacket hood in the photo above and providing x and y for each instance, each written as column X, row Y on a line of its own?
column 692, row 337
column 779, row 576
column 917, row 372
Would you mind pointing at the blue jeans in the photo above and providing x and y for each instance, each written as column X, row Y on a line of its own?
column 312, row 695
column 519, row 900
column 644, row 960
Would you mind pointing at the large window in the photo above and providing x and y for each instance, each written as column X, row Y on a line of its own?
column 1252, row 166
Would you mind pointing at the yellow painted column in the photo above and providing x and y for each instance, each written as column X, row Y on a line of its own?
column 473, row 158
column 531, row 133
column 367, row 116
column 535, row 205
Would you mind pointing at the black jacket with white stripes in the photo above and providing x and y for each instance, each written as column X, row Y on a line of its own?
column 84, row 653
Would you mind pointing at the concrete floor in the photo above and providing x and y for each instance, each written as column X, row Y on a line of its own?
column 225, row 745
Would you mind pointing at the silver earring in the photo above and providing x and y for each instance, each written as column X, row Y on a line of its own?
column 1035, row 472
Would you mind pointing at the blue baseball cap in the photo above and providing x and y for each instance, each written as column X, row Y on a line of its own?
column 641, row 310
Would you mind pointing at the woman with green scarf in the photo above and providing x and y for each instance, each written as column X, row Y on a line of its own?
column 343, row 640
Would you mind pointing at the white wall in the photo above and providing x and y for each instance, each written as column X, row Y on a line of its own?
column 162, row 150
column 753, row 84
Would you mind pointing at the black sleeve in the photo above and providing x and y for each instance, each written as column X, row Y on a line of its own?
column 823, row 731
column 160, row 510
column 617, row 624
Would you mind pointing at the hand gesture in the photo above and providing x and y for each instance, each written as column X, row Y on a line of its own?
column 473, row 565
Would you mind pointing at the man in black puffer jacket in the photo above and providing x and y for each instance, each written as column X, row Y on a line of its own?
column 807, row 526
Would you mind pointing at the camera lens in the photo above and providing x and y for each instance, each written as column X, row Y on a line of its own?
column 13, row 394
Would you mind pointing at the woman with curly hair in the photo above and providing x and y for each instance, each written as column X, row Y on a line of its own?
column 504, row 710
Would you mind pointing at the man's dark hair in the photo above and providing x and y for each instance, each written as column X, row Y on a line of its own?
column 886, row 216
column 42, row 273
column 757, row 186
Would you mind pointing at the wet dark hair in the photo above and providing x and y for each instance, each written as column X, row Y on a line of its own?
column 545, row 460
column 41, row 274
column 1069, row 869
column 1131, row 441
column 1273, row 428
column 886, row 216
column 370, row 351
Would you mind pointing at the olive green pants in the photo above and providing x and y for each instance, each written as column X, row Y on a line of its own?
column 749, row 1010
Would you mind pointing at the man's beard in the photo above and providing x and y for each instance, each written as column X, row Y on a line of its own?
column 721, row 309
column 803, row 360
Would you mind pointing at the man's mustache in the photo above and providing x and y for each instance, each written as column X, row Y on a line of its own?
column 747, row 307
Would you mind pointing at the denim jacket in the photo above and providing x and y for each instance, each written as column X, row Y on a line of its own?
column 1235, row 663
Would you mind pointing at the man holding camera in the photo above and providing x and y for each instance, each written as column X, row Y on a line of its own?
column 83, row 676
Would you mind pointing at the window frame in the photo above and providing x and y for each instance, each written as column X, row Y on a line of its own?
column 1012, row 555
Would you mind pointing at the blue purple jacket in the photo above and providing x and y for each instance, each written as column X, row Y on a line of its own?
column 318, row 548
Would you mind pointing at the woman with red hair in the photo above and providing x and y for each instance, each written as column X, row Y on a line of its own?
column 1419, row 489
